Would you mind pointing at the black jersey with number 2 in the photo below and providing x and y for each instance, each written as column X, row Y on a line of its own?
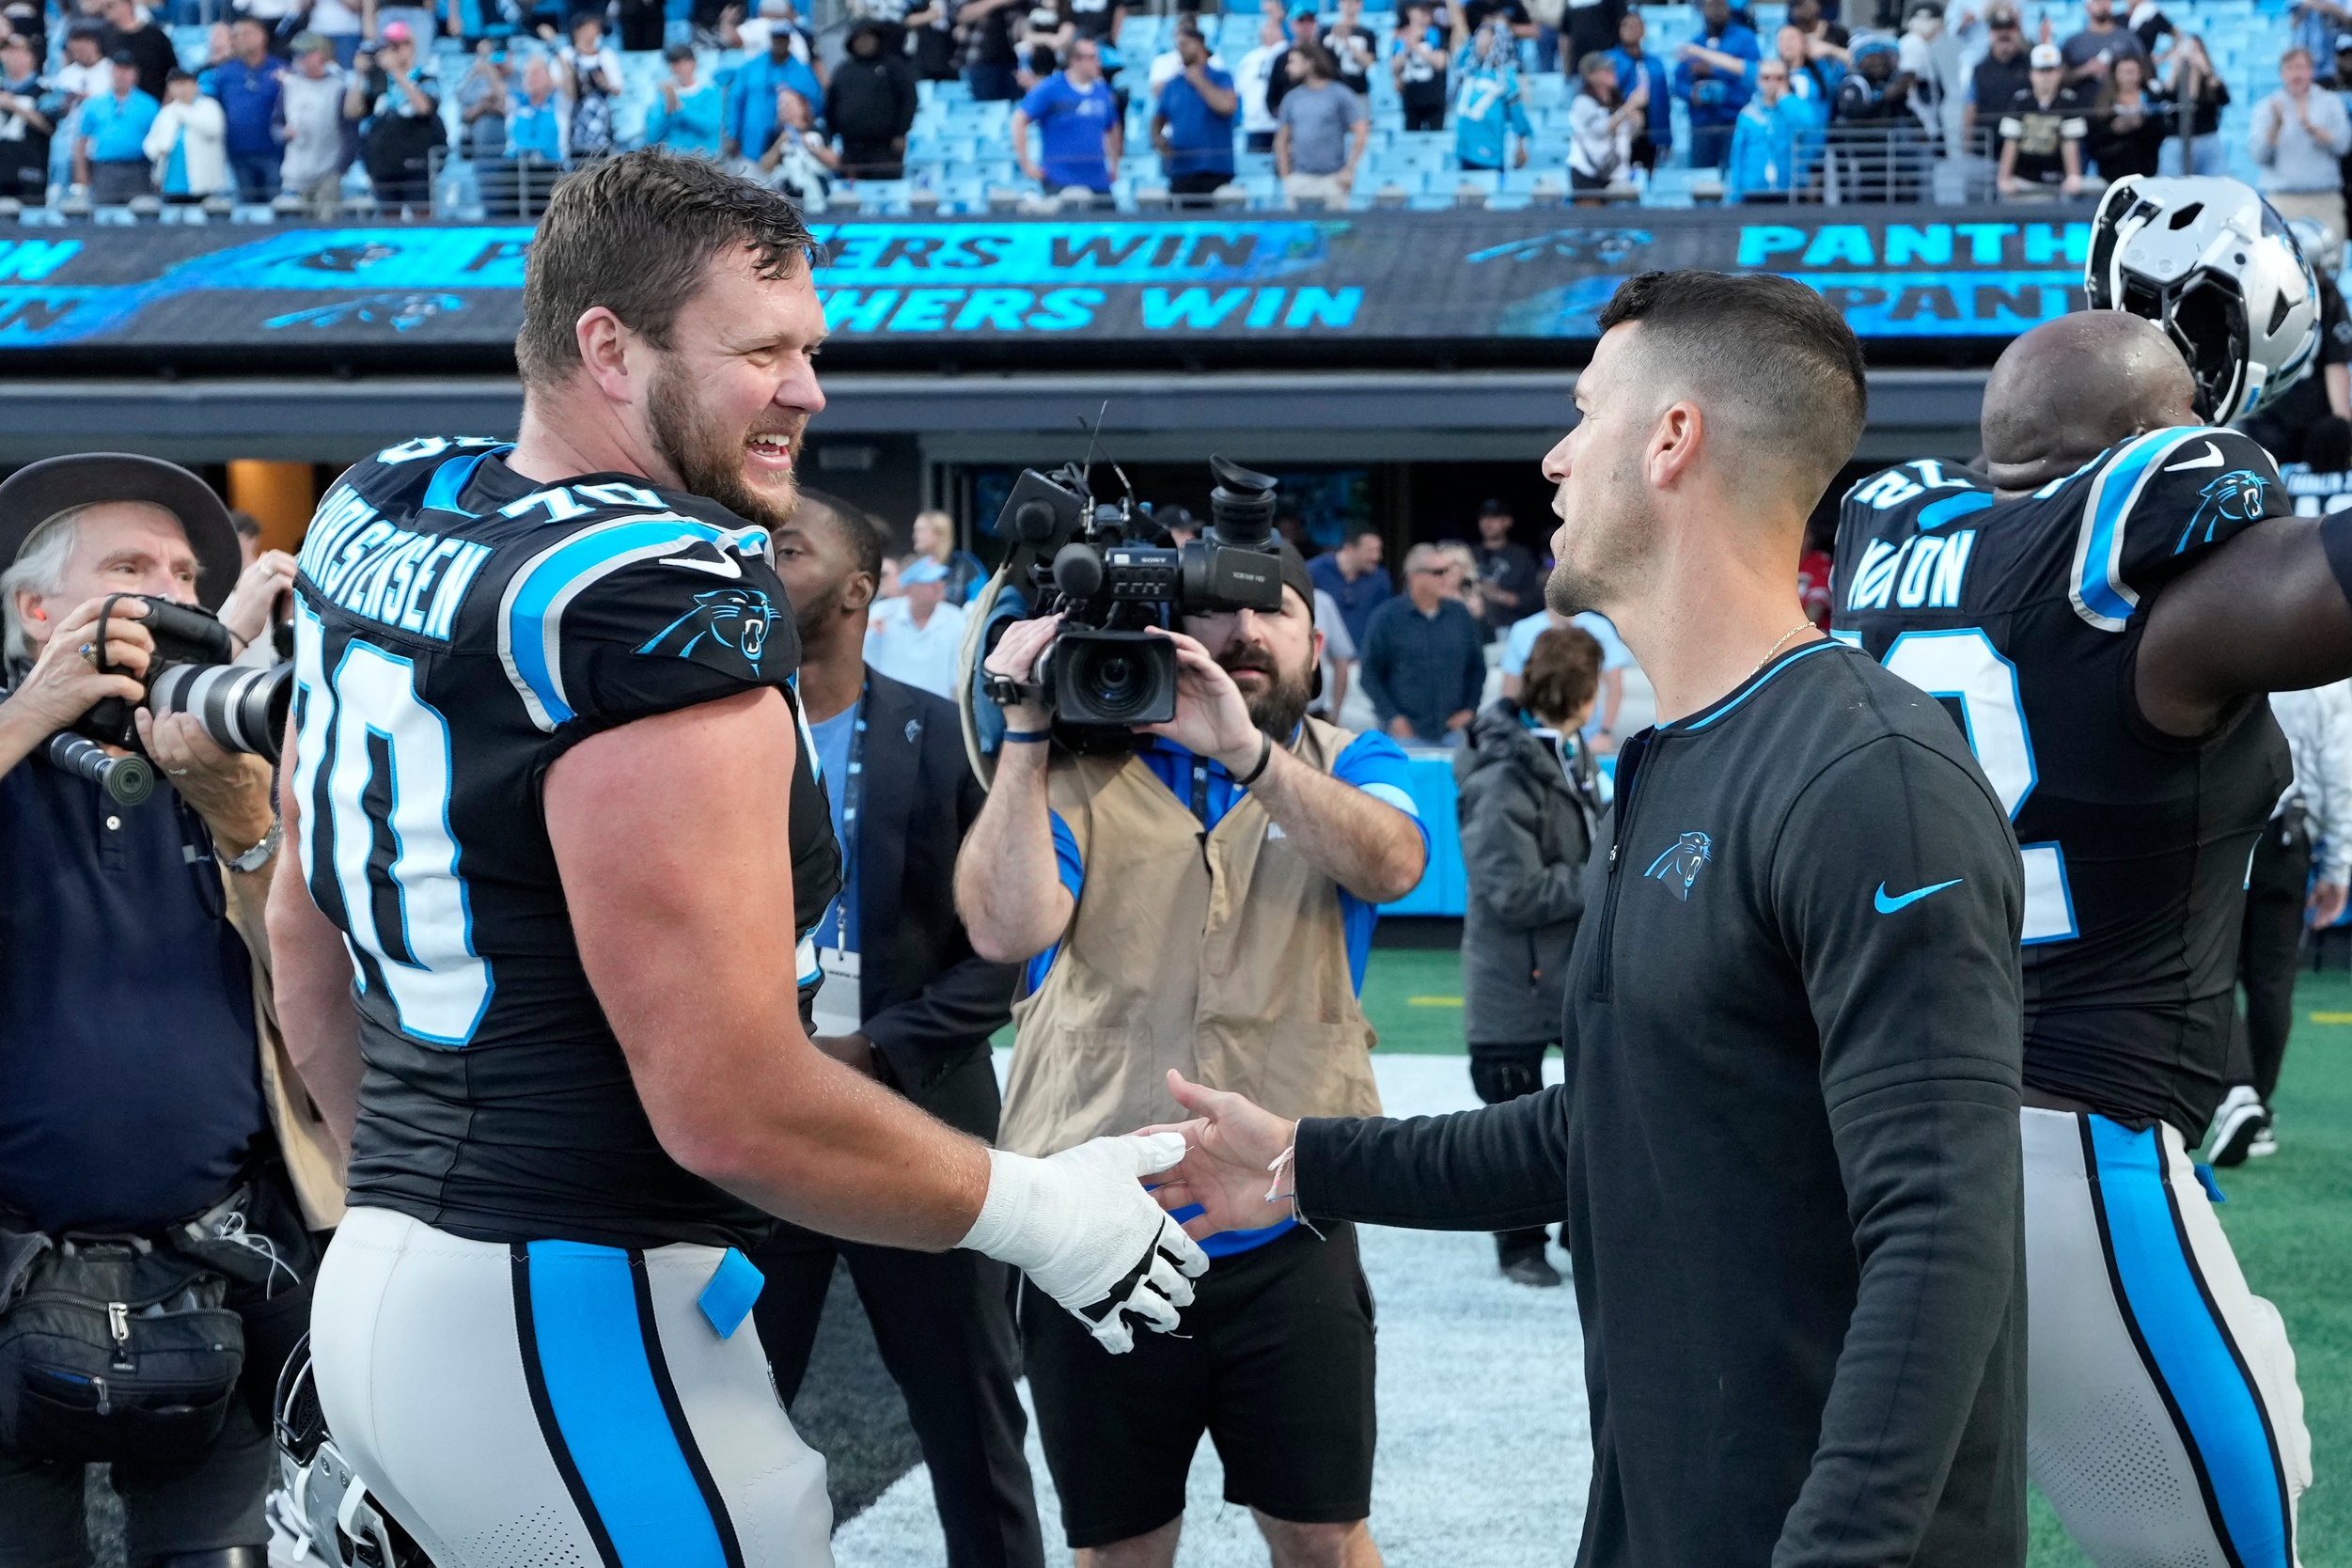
column 458, row 628
column 2025, row 617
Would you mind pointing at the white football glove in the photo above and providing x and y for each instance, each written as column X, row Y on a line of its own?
column 1081, row 1227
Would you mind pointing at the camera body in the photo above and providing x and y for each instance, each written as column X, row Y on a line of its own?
column 1105, row 673
column 240, row 708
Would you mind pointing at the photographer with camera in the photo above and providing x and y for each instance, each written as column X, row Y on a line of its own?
column 161, row 1172
column 1201, row 895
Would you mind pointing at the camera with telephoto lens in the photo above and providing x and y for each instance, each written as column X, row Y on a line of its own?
column 240, row 708
column 1105, row 671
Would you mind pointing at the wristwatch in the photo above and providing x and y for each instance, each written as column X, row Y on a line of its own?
column 259, row 856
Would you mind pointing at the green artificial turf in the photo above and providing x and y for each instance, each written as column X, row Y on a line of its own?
column 2289, row 1218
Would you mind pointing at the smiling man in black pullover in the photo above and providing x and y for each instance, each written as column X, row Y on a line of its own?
column 1787, row 1150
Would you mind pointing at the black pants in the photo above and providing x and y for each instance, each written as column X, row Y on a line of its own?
column 944, row 1325
column 1425, row 117
column 1499, row 1073
column 879, row 160
column 2269, row 941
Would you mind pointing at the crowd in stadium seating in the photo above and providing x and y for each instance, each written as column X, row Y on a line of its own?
column 896, row 105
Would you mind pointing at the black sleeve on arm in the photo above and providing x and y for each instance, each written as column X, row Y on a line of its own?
column 1920, row 1011
column 2269, row 612
column 1499, row 1168
column 967, row 1001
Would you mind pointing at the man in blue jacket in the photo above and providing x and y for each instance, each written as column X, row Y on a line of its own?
column 1714, row 93
column 750, row 121
column 1767, row 140
column 249, row 87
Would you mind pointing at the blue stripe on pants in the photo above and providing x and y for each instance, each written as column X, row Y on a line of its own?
column 2226, row 1432
column 591, row 1355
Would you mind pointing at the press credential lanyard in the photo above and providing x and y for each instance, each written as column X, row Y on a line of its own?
column 838, row 1008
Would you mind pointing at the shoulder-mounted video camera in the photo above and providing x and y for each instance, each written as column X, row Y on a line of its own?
column 1080, row 559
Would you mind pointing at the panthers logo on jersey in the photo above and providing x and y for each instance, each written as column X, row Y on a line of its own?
column 2224, row 506
column 735, row 620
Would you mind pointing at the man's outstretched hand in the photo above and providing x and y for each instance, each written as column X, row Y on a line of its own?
column 1230, row 1151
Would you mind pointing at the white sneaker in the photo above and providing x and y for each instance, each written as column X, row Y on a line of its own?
column 2265, row 1142
column 2235, row 1126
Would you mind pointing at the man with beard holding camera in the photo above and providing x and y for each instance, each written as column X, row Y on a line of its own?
column 145, row 1084
column 1206, row 901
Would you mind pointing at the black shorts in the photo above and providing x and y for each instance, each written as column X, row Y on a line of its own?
column 1276, row 1366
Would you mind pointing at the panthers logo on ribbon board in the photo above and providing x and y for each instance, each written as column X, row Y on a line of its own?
column 728, row 629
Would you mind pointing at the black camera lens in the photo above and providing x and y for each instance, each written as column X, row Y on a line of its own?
column 1114, row 678
column 240, row 709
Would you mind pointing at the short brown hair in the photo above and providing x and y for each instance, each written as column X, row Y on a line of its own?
column 636, row 234
column 1784, row 369
column 1563, row 671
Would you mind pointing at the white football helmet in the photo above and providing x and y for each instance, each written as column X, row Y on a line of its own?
column 2210, row 262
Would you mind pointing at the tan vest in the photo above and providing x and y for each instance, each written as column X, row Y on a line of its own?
column 1225, row 960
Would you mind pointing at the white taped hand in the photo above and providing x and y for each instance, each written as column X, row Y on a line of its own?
column 1081, row 1227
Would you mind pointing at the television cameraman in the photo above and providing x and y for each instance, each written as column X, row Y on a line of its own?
column 1205, row 898
column 147, row 1095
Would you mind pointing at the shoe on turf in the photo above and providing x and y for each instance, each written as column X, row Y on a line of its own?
column 2236, row 1125
column 1532, row 1270
column 2265, row 1144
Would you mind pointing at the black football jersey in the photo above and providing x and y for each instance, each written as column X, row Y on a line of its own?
column 457, row 627
column 2024, row 617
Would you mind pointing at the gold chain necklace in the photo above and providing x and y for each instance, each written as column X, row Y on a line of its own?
column 1805, row 625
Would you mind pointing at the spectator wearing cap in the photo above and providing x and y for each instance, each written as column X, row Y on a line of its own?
column 1424, row 656
column 1192, row 120
column 750, row 122
column 914, row 637
column 400, row 113
column 1511, row 582
column 250, row 90
column 147, row 1088
column 2042, row 132
column 187, row 142
column 1077, row 125
column 113, row 153
column 2103, row 40
column 688, row 115
column 2199, row 95
column 2301, row 135
column 934, row 537
column 311, row 104
column 2000, row 75
column 587, row 75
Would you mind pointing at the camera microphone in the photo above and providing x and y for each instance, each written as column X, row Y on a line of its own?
column 127, row 780
column 1079, row 571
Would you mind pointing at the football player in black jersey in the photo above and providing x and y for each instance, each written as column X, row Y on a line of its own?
column 2085, row 615
column 554, row 835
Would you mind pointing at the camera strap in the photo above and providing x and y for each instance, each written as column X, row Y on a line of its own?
column 98, row 643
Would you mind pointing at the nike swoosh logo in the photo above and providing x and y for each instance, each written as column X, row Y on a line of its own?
column 723, row 567
column 2211, row 460
column 1888, row 906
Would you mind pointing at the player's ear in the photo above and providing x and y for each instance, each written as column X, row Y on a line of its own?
column 1675, row 443
column 605, row 342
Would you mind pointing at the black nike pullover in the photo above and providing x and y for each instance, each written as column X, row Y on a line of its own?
column 1787, row 1149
